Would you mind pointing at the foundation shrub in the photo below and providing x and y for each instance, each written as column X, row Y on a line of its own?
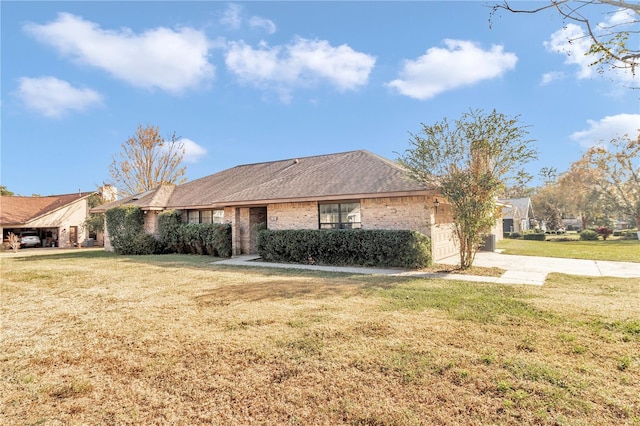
column 169, row 222
column 193, row 238
column 365, row 247
column 125, row 225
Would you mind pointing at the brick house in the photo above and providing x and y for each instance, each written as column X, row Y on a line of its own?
column 57, row 219
column 355, row 189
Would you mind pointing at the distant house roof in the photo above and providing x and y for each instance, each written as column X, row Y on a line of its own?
column 353, row 174
column 517, row 208
column 17, row 210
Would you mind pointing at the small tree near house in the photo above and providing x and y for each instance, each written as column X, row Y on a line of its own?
column 470, row 161
column 14, row 242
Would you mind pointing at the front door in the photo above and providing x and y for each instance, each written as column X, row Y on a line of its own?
column 73, row 236
column 257, row 222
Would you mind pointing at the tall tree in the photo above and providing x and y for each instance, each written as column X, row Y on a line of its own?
column 614, row 40
column 579, row 194
column 148, row 160
column 617, row 169
column 470, row 161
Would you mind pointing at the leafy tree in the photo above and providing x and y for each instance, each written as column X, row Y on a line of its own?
column 148, row 160
column 520, row 187
column 95, row 221
column 616, row 167
column 470, row 161
column 5, row 191
column 549, row 214
column 548, row 175
column 579, row 195
column 614, row 41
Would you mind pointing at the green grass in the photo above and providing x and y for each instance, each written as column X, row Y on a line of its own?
column 95, row 338
column 615, row 250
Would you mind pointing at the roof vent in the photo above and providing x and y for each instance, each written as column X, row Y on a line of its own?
column 296, row 161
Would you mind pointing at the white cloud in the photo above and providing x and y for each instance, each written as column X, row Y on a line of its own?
column 266, row 24
column 54, row 98
column 233, row 19
column 606, row 129
column 232, row 16
column 158, row 58
column 552, row 76
column 460, row 63
column 192, row 151
column 300, row 63
column 574, row 42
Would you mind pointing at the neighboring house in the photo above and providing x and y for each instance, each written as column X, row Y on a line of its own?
column 355, row 189
column 57, row 218
column 517, row 214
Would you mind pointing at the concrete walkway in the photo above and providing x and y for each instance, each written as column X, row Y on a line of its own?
column 529, row 270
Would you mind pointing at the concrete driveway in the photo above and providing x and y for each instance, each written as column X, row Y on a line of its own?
column 536, row 268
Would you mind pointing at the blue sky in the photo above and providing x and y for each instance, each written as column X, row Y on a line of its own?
column 249, row 82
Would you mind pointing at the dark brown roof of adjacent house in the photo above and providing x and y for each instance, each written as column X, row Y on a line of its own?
column 15, row 209
column 353, row 174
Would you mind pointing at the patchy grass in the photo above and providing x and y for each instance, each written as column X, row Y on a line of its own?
column 616, row 250
column 93, row 338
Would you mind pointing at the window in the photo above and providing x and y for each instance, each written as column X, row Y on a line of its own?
column 217, row 216
column 339, row 216
column 205, row 216
column 193, row 216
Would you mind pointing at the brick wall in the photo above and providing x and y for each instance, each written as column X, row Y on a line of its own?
column 396, row 213
column 151, row 223
column 292, row 216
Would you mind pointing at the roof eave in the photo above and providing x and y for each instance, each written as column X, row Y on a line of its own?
column 341, row 197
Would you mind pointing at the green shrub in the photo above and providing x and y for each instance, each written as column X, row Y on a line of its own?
column 536, row 236
column 169, row 222
column 386, row 248
column 512, row 235
column 588, row 235
column 193, row 238
column 125, row 225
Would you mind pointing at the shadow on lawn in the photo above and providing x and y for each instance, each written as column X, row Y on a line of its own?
column 300, row 287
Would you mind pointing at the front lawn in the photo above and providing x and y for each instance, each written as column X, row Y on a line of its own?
column 613, row 249
column 94, row 338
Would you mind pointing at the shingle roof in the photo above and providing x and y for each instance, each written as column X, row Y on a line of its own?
column 518, row 208
column 353, row 173
column 339, row 176
column 16, row 209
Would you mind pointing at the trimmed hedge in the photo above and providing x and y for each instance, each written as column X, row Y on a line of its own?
column 365, row 247
column 512, row 235
column 190, row 238
column 125, row 225
column 536, row 236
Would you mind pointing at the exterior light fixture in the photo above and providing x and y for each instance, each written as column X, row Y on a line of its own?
column 436, row 203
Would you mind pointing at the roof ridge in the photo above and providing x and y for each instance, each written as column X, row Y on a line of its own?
column 334, row 158
column 301, row 158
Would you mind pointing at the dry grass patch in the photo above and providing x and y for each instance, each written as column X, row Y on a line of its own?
column 92, row 338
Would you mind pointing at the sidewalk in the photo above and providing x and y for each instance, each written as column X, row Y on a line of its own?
column 528, row 270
